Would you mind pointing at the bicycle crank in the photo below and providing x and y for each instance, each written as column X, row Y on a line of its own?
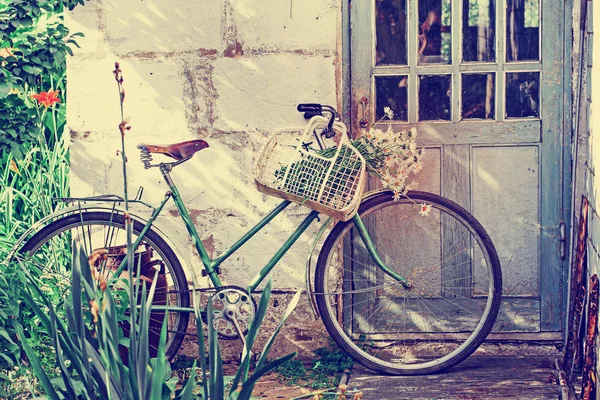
column 233, row 310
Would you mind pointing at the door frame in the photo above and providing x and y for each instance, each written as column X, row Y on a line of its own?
column 552, row 307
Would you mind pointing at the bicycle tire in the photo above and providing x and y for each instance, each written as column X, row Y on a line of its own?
column 151, row 236
column 338, row 333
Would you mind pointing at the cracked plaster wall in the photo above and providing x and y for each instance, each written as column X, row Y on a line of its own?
column 227, row 71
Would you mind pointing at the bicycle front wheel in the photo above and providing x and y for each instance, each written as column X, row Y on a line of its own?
column 49, row 253
column 442, row 318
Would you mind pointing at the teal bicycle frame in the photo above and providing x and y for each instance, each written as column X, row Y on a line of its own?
column 211, row 265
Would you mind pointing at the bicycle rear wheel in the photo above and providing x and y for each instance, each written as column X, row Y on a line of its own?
column 50, row 250
column 456, row 285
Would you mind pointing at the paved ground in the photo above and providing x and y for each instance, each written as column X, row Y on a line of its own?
column 479, row 377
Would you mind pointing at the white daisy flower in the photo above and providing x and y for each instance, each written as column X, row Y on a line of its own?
column 412, row 186
column 425, row 209
column 389, row 114
column 412, row 146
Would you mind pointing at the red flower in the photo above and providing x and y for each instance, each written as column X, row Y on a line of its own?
column 47, row 98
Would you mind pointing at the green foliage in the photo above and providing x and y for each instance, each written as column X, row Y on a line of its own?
column 26, row 189
column 324, row 372
column 34, row 43
column 19, row 124
column 327, row 368
column 292, row 371
column 34, row 167
column 17, row 15
column 88, row 357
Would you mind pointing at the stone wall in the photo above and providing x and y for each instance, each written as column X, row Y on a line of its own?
column 227, row 71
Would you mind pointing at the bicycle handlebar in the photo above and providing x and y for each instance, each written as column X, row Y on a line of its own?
column 312, row 109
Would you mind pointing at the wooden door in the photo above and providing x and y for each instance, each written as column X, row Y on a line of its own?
column 482, row 82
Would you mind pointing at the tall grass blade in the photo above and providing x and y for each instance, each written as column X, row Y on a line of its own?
column 290, row 308
column 200, row 339
column 186, row 392
column 248, row 385
column 242, row 373
column 35, row 363
column 214, row 358
column 158, row 372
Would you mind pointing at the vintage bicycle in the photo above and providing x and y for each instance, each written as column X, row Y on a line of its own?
column 399, row 292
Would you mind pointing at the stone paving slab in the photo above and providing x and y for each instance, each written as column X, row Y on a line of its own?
column 479, row 377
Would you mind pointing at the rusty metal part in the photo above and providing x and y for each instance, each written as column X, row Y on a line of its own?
column 577, row 292
column 566, row 390
column 364, row 122
column 588, row 383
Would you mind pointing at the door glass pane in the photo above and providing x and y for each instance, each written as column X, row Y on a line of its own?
column 478, row 30
column 435, row 39
column 522, row 94
column 522, row 30
column 434, row 97
column 478, row 96
column 390, row 32
column 391, row 91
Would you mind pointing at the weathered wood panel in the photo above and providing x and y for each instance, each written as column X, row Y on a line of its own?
column 476, row 132
column 506, row 202
column 478, row 377
column 456, row 239
column 552, row 268
column 412, row 315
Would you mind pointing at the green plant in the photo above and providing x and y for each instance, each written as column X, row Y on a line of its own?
column 88, row 345
column 325, row 371
column 88, row 357
column 292, row 371
column 26, row 189
column 34, row 163
column 34, row 43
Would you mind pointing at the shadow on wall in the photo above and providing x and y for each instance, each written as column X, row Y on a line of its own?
column 234, row 69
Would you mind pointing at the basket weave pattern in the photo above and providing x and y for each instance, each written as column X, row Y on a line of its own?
column 293, row 167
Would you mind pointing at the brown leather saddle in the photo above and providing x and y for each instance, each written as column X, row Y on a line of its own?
column 178, row 151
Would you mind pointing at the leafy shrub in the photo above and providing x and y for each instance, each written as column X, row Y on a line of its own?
column 34, row 43
column 34, row 166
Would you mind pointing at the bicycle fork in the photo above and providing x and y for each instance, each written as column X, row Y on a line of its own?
column 366, row 238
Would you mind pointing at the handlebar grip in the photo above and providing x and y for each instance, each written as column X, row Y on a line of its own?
column 313, row 108
column 309, row 115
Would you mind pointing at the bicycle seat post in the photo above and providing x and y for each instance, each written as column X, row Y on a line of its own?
column 165, row 170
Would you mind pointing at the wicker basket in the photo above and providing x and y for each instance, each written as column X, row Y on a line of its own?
column 293, row 167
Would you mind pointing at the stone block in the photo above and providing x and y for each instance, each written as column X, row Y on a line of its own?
column 136, row 26
column 307, row 25
column 154, row 99
column 262, row 92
